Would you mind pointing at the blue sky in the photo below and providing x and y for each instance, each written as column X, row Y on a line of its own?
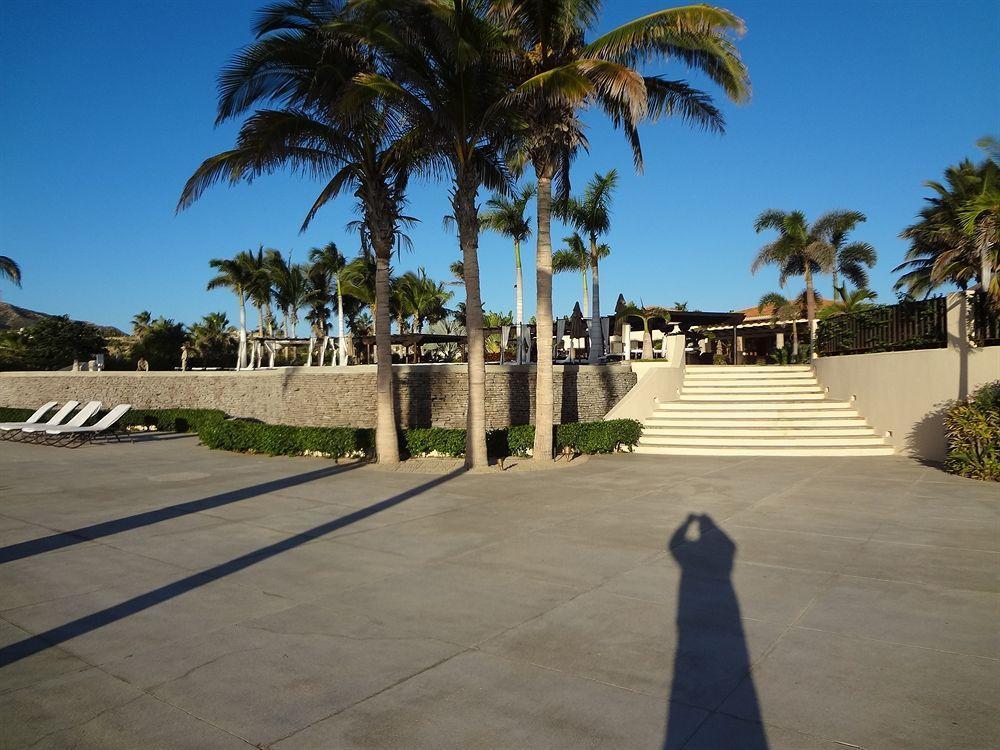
column 106, row 108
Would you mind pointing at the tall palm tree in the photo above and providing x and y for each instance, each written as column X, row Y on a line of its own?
column 10, row 270
column 304, row 75
column 591, row 215
column 576, row 257
column 331, row 262
column 942, row 250
column 259, row 291
column 319, row 292
column 506, row 216
column 560, row 73
column 236, row 274
column 800, row 250
column 851, row 259
column 980, row 216
column 444, row 66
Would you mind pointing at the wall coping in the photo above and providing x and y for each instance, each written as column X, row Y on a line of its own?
column 458, row 367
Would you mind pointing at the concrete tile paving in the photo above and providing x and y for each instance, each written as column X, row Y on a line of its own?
column 161, row 595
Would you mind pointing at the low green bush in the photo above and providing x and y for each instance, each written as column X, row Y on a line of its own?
column 283, row 440
column 8, row 414
column 973, row 430
column 437, row 440
column 173, row 420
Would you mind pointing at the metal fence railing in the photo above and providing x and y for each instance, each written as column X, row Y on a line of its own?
column 985, row 320
column 907, row 325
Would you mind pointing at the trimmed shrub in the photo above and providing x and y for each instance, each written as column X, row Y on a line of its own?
column 973, row 430
column 283, row 440
column 579, row 437
column 8, row 414
column 434, row 440
column 173, row 420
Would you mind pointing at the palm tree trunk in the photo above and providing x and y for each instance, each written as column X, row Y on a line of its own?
column 795, row 338
column 518, row 298
column 341, row 341
column 647, row 340
column 833, row 273
column 242, row 352
column 596, row 333
column 586, row 295
column 468, row 235
column 544, row 415
column 386, row 439
column 810, row 308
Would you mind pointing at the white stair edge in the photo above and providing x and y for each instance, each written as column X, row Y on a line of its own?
column 704, row 450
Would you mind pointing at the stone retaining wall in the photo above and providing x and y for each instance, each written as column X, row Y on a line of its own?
column 427, row 395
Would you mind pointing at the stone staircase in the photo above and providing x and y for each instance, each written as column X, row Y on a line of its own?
column 757, row 411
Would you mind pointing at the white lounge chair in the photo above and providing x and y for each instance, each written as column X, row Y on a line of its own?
column 79, row 419
column 40, row 412
column 12, row 429
column 77, row 436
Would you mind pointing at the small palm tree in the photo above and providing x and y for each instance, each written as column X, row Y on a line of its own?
column 329, row 261
column 141, row 322
column 506, row 216
column 800, row 250
column 980, row 217
column 237, row 274
column 212, row 336
column 645, row 314
column 784, row 310
column 576, row 257
column 591, row 215
column 851, row 301
column 10, row 270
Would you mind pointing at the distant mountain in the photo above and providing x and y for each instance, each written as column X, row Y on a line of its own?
column 12, row 316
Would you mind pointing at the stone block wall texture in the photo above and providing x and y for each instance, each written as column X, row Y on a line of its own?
column 427, row 395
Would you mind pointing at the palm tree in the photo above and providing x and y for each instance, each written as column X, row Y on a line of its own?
column 645, row 314
column 445, row 68
column 800, row 250
column 506, row 216
column 980, row 216
column 560, row 73
column 784, row 310
column 141, row 322
column 10, row 270
column 236, row 273
column 851, row 260
column 576, row 257
column 331, row 262
column 212, row 336
column 309, row 74
column 591, row 215
column 942, row 249
column 259, row 291
column 851, row 301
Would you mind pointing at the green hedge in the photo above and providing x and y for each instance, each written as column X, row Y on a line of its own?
column 8, row 414
column 173, row 420
column 282, row 440
column 973, row 429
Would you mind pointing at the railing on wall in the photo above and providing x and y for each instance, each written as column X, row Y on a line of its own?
column 908, row 325
column 985, row 328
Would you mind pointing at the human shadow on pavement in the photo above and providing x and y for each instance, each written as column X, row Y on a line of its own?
column 711, row 657
column 63, row 539
column 42, row 641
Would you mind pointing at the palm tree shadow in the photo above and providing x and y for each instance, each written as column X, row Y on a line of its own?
column 711, row 659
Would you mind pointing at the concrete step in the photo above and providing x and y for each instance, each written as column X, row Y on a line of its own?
column 724, row 420
column 730, row 406
column 736, row 441
column 779, row 451
column 724, row 390
column 758, row 374
column 775, row 397
column 807, row 379
column 748, row 368
column 717, row 431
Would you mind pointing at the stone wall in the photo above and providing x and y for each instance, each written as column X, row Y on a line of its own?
column 427, row 395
